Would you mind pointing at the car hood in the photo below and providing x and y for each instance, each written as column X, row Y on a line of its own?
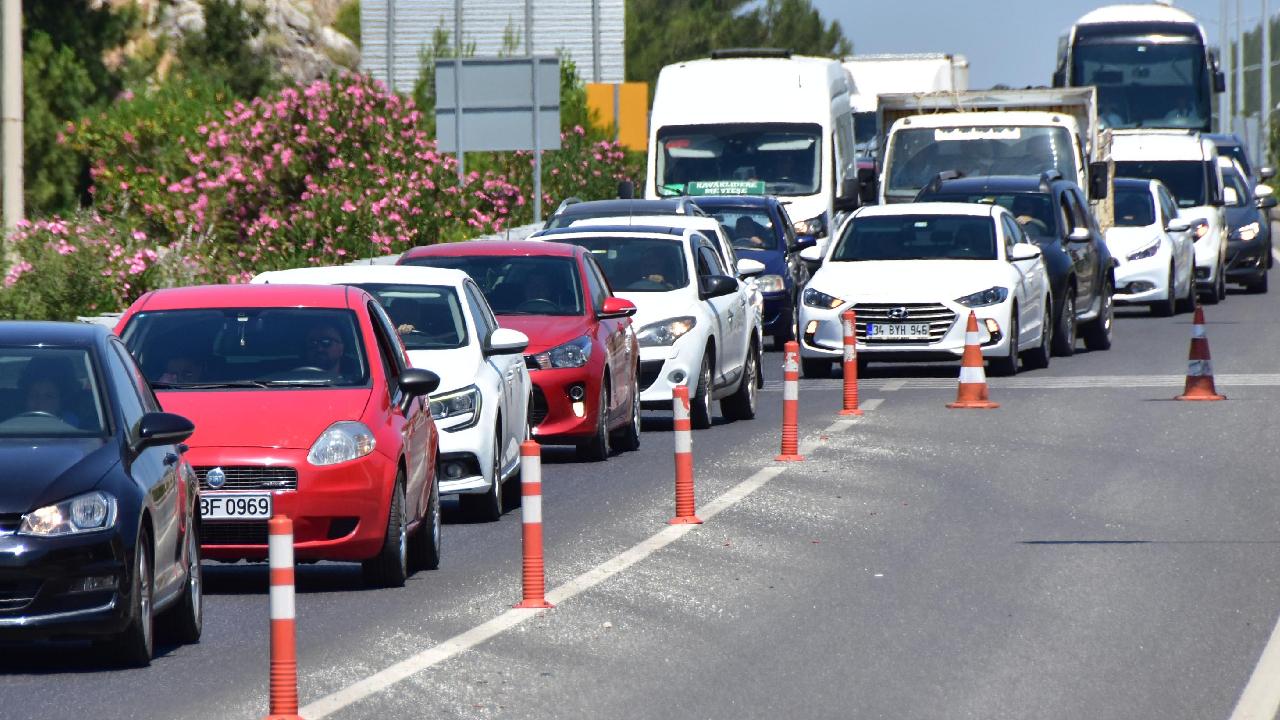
column 1214, row 215
column 908, row 280
column 457, row 367
column 47, row 471
column 773, row 260
column 290, row 419
column 1123, row 240
column 1238, row 217
column 546, row 331
column 652, row 307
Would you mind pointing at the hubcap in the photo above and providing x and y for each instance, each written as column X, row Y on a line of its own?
column 635, row 411
column 403, row 538
column 435, row 516
column 195, row 579
column 1071, row 318
column 750, row 380
column 497, row 471
column 144, row 593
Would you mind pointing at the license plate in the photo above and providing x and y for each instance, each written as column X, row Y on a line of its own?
column 235, row 506
column 898, row 331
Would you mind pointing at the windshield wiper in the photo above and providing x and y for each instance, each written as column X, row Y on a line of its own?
column 209, row 386
column 316, row 382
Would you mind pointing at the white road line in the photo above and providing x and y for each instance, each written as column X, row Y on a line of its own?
column 1033, row 382
column 1261, row 697
column 1275, row 253
column 892, row 385
column 458, row 644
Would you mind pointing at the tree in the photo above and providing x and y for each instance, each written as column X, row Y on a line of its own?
column 223, row 53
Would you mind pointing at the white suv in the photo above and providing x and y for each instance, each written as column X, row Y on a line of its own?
column 697, row 323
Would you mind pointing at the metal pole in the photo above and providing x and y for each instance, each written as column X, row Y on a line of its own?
column 391, row 45
column 11, row 114
column 1224, row 115
column 457, row 88
column 1239, row 69
column 1264, row 141
column 595, row 41
column 537, row 112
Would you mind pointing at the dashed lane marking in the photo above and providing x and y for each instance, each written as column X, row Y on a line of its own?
column 892, row 385
column 1275, row 254
column 1039, row 382
column 1261, row 697
column 385, row 678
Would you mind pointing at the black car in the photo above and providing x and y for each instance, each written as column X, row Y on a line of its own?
column 1249, row 231
column 573, row 209
column 760, row 229
column 99, row 514
column 1055, row 215
column 1234, row 147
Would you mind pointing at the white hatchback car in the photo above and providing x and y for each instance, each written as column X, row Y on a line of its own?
column 1153, row 248
column 697, row 323
column 912, row 272
column 482, row 406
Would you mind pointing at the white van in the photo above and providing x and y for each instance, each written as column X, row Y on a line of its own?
column 759, row 122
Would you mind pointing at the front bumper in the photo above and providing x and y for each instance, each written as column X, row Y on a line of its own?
column 664, row 367
column 1143, row 281
column 556, row 416
column 777, row 314
column 468, row 449
column 822, row 332
column 1208, row 251
column 36, row 575
column 339, row 512
column 1248, row 260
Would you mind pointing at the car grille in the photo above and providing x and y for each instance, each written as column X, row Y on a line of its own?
column 649, row 371
column 17, row 594
column 939, row 317
column 538, row 411
column 253, row 477
column 252, row 532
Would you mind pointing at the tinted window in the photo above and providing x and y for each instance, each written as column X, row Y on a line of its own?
column 51, row 392
column 917, row 237
column 428, row 317
column 917, row 155
column 596, row 285
column 480, row 310
column 1145, row 81
column 1232, row 179
column 203, row 349
column 516, row 285
column 1134, row 207
column 1033, row 211
column 709, row 261
column 785, row 157
column 749, row 228
column 122, row 373
column 637, row 264
column 1184, row 178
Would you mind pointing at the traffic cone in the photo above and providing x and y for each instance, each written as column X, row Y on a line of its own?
column 972, row 393
column 1199, row 367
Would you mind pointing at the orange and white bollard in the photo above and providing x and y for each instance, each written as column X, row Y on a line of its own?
column 685, row 505
column 284, row 651
column 850, row 321
column 791, row 405
column 1199, row 365
column 534, row 579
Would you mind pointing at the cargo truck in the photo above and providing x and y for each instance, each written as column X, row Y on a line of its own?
column 879, row 74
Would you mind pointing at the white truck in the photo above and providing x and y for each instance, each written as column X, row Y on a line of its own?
column 879, row 74
column 987, row 132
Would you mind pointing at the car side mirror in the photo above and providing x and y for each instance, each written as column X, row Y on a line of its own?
column 1178, row 225
column 1023, row 251
column 1229, row 197
column 1266, row 172
column 505, row 341
column 1099, row 180
column 416, row 382
column 867, row 189
column 616, row 307
column 1266, row 202
column 162, row 428
column 811, row 254
column 849, row 196
column 1079, row 235
column 714, row 286
column 748, row 267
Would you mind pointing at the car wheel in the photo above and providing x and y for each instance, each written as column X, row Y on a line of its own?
column 1007, row 366
column 1166, row 307
column 487, row 507
column 425, row 550
column 1038, row 359
column 1189, row 301
column 598, row 447
column 816, row 367
column 390, row 567
column 700, row 403
column 136, row 645
column 629, row 436
column 1222, row 284
column 1259, row 286
column 185, row 621
column 1097, row 334
column 741, row 405
column 1064, row 333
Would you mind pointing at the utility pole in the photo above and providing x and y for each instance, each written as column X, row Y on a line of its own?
column 537, row 113
column 1264, row 120
column 596, row 73
column 457, row 88
column 1239, row 70
column 391, row 45
column 1224, row 43
column 11, row 113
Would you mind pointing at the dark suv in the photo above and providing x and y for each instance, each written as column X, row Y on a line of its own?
column 1055, row 215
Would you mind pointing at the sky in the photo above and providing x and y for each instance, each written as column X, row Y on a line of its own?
column 1014, row 42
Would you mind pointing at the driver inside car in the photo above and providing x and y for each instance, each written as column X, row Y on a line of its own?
column 324, row 349
column 45, row 393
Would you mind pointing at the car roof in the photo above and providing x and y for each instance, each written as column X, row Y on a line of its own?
column 46, row 332
column 1225, row 139
column 250, row 296
column 489, row 247
column 996, row 183
column 927, row 208
column 349, row 274
column 636, row 231
column 665, row 206
column 674, row 222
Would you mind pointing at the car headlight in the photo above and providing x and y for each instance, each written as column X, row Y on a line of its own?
column 815, row 226
column 87, row 513
column 819, row 299
column 666, row 332
column 342, row 441
column 1146, row 251
column 1249, row 232
column 990, row 296
column 458, row 403
column 771, row 283
column 569, row 355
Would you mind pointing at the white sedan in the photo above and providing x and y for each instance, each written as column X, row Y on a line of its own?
column 912, row 273
column 482, row 406
column 1153, row 248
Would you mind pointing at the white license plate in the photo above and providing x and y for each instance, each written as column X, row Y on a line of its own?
column 235, row 506
column 898, row 331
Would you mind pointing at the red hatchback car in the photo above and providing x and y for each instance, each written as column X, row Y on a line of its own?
column 306, row 406
column 582, row 357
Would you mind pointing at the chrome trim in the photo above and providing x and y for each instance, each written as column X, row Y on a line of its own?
column 33, row 619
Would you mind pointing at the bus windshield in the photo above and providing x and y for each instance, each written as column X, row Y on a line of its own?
column 1143, row 83
column 786, row 156
column 916, row 155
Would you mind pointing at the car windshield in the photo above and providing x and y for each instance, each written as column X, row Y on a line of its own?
column 916, row 155
column 428, row 317
column 519, row 285
column 917, row 237
column 48, row 392
column 637, row 264
column 248, row 348
column 1134, row 207
column 1033, row 211
column 749, row 228
column 787, row 157
column 1184, row 178
column 1145, row 83
column 1237, row 153
column 865, row 128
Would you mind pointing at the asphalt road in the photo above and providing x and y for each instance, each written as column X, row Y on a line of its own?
column 1091, row 549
